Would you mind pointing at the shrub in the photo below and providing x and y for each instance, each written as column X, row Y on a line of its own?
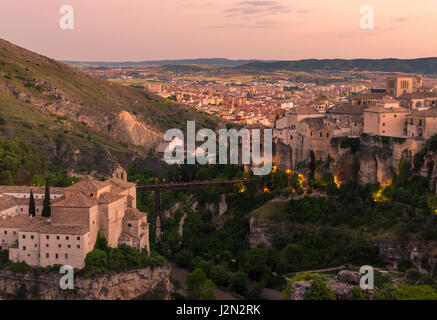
column 19, row 267
column 422, row 292
column 319, row 291
column 358, row 293
column 404, row 265
column 4, row 256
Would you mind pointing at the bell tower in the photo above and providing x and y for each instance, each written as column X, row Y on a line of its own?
column 419, row 81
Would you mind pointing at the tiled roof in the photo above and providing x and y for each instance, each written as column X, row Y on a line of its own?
column 19, row 221
column 47, row 227
column 76, row 200
column 109, row 197
column 134, row 214
column 381, row 109
column 89, row 184
column 304, row 110
column 25, row 201
column 25, row 189
column 425, row 113
column 121, row 183
column 127, row 237
column 7, row 202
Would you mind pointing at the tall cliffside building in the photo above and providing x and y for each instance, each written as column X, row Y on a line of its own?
column 79, row 213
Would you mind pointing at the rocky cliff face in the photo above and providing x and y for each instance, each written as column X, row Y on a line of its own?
column 379, row 159
column 342, row 286
column 121, row 286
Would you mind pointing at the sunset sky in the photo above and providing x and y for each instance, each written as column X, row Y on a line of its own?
column 133, row 30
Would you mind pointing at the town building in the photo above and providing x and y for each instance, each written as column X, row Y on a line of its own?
column 78, row 214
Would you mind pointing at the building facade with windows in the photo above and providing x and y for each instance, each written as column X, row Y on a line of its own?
column 79, row 213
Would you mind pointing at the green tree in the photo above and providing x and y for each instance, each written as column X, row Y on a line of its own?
column 101, row 243
column 31, row 204
column 255, row 263
column 320, row 291
column 239, row 282
column 97, row 260
column 219, row 274
column 46, row 210
column 20, row 294
column 199, row 287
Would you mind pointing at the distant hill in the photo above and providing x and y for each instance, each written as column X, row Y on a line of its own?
column 207, row 61
column 422, row 65
column 82, row 122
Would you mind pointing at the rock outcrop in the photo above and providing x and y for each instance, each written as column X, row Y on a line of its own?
column 120, row 286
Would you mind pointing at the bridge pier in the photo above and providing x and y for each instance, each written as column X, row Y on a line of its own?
column 158, row 231
column 223, row 206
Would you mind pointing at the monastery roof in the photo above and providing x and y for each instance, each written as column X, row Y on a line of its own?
column 134, row 214
column 7, row 202
column 25, row 201
column 20, row 221
column 89, row 184
column 76, row 200
column 109, row 197
column 121, row 183
column 25, row 189
column 125, row 236
column 118, row 190
column 381, row 109
column 46, row 227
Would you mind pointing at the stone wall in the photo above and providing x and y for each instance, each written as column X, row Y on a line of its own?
column 120, row 286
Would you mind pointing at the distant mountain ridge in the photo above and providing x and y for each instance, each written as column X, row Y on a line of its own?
column 202, row 61
column 420, row 65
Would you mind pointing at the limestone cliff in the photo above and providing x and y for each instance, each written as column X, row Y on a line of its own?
column 121, row 286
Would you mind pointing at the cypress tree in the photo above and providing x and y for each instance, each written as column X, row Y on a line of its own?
column 31, row 204
column 46, row 211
